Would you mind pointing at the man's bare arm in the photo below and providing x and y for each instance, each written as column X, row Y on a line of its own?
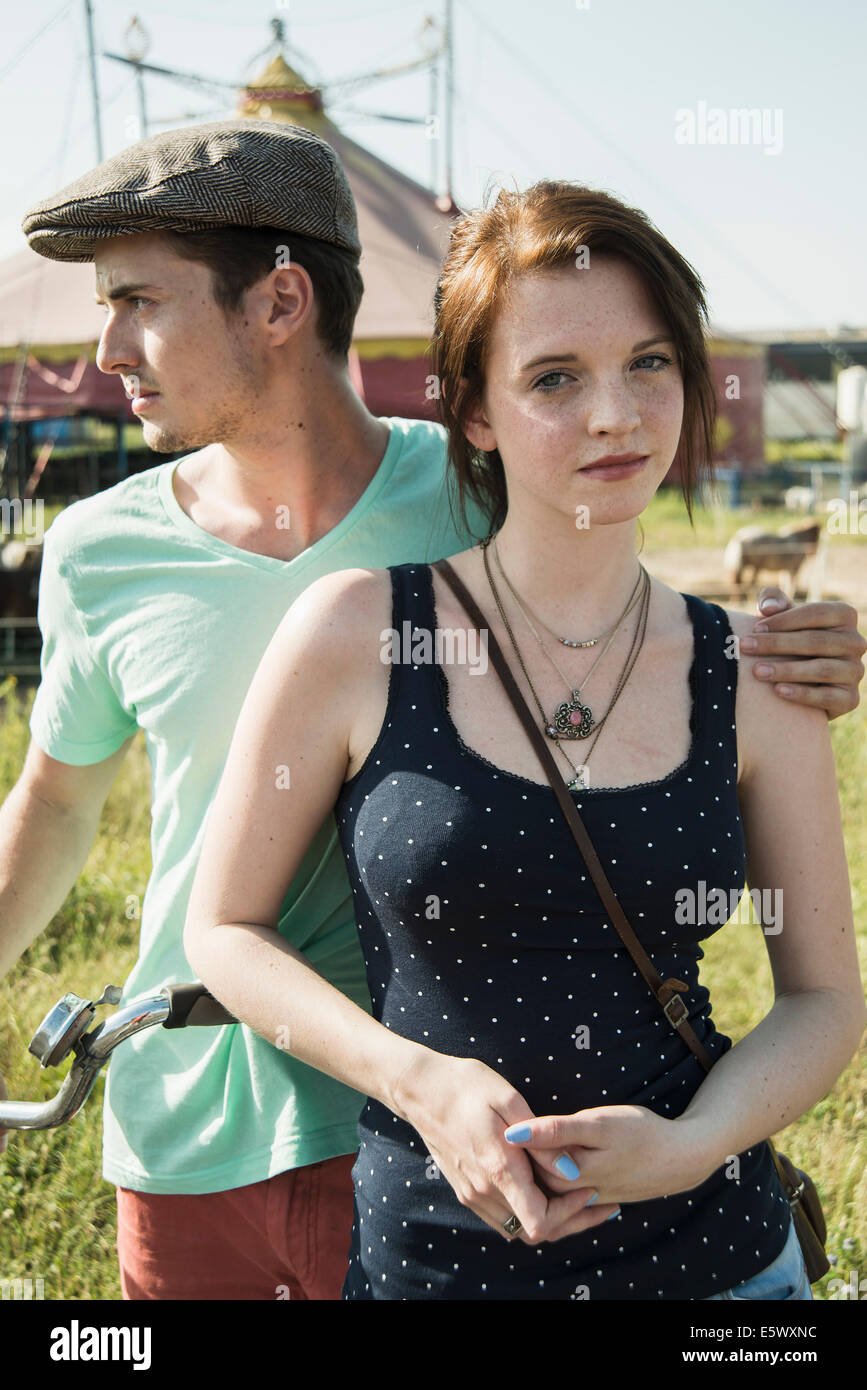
column 47, row 826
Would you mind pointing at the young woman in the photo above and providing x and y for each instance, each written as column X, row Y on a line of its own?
column 573, row 368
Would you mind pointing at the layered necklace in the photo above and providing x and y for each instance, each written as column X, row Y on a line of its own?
column 573, row 718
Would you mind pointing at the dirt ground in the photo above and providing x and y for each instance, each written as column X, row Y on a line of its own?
column 698, row 570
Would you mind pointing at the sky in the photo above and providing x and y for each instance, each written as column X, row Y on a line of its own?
column 638, row 99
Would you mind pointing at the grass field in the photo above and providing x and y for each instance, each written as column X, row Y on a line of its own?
column 666, row 524
column 57, row 1215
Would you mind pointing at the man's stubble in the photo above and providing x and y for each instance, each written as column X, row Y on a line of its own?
column 227, row 423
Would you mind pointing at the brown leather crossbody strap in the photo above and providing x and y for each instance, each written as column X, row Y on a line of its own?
column 665, row 991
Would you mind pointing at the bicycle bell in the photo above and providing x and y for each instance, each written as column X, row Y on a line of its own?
column 64, row 1024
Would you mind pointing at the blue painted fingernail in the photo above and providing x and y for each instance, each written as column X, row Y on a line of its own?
column 613, row 1214
column 566, row 1168
column 518, row 1134
column 594, row 1198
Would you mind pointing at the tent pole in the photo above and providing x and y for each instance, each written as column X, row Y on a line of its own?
column 97, row 123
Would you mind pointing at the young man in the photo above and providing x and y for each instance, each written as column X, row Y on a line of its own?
column 158, row 598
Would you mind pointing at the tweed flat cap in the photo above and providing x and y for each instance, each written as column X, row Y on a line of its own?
column 248, row 173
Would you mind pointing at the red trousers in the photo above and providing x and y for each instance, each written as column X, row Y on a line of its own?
column 284, row 1237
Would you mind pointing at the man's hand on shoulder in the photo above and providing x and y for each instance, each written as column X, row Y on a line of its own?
column 809, row 652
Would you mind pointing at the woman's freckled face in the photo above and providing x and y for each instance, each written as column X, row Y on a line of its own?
column 592, row 394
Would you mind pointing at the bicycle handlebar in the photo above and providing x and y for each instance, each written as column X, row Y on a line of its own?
column 63, row 1030
column 193, row 1006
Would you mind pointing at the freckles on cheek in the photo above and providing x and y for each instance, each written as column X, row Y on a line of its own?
column 538, row 430
column 665, row 411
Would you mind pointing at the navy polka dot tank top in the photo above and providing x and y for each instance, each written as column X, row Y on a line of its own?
column 484, row 937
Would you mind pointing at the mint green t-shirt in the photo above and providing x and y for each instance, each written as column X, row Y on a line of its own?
column 150, row 622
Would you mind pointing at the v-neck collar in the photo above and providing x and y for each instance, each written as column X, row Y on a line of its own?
column 313, row 552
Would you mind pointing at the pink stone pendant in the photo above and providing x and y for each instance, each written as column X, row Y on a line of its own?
column 572, row 719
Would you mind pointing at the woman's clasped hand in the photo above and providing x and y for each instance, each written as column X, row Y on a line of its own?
column 627, row 1153
column 462, row 1109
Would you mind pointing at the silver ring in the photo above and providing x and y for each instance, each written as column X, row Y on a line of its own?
column 512, row 1226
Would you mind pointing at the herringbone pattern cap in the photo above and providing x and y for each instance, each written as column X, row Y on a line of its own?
column 246, row 173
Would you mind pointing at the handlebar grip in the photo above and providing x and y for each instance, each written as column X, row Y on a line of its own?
column 194, row 1006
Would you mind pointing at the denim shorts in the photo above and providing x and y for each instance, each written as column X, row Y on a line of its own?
column 784, row 1278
